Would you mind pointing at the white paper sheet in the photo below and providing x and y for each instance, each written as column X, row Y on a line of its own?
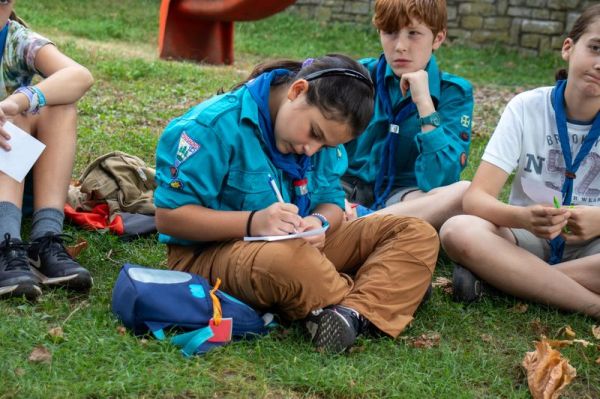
column 539, row 192
column 289, row 236
column 25, row 150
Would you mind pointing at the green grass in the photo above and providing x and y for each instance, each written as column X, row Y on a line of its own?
column 135, row 95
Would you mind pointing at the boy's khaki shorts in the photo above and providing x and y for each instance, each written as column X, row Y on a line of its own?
column 540, row 247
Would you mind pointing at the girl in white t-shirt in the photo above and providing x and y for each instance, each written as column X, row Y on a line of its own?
column 544, row 244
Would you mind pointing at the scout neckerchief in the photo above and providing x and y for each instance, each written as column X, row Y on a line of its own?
column 294, row 166
column 3, row 35
column 387, row 168
column 558, row 244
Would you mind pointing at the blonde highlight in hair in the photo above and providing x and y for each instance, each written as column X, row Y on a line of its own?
column 392, row 15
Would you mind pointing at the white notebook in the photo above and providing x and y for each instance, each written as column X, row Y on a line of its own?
column 289, row 236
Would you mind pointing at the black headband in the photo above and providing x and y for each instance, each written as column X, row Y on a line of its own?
column 339, row 72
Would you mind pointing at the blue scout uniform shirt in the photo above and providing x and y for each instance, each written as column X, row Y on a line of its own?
column 427, row 160
column 214, row 156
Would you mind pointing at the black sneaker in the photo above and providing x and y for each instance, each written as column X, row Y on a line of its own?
column 53, row 265
column 16, row 279
column 427, row 295
column 335, row 328
column 465, row 285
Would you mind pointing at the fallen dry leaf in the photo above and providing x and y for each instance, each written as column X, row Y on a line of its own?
column 444, row 283
column 548, row 373
column 559, row 343
column 568, row 331
column 598, row 361
column 121, row 330
column 19, row 372
column 40, row 354
column 75, row 250
column 596, row 331
column 441, row 282
column 520, row 308
column 583, row 342
column 486, row 338
column 425, row 340
column 57, row 334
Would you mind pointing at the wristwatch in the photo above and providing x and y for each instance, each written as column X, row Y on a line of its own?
column 431, row 119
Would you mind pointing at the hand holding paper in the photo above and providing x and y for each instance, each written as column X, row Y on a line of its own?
column 307, row 233
column 25, row 150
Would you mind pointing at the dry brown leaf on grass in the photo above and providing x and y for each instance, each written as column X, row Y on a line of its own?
column 441, row 282
column 40, row 354
column 596, row 331
column 598, row 361
column 425, row 340
column 583, row 342
column 548, row 373
column 19, row 372
column 520, row 308
column 561, row 343
column 568, row 331
column 486, row 338
column 75, row 250
column 121, row 330
column 558, row 343
column 57, row 334
column 444, row 283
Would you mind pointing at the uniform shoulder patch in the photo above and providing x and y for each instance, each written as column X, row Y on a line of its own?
column 185, row 149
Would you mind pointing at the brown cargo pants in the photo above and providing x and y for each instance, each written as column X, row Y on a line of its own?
column 380, row 266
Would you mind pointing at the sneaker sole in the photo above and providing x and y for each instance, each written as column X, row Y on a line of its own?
column 30, row 291
column 333, row 333
column 78, row 281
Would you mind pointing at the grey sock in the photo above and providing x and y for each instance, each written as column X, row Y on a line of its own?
column 10, row 220
column 46, row 220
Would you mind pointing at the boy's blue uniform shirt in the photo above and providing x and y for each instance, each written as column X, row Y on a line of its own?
column 427, row 160
column 214, row 156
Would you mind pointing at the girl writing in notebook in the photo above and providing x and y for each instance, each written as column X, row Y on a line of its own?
column 550, row 137
column 287, row 122
column 46, row 110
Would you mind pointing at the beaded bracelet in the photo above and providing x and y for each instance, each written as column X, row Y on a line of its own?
column 41, row 97
column 322, row 218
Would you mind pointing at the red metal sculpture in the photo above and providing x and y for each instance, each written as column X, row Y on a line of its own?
column 202, row 30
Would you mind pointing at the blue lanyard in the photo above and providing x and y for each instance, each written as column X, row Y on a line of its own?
column 387, row 167
column 294, row 166
column 558, row 244
column 3, row 35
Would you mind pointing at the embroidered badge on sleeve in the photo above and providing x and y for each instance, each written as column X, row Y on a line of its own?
column 465, row 120
column 185, row 149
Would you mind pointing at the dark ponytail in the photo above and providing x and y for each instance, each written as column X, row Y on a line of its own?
column 587, row 17
column 339, row 97
column 14, row 17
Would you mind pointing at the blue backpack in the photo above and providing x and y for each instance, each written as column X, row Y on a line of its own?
column 152, row 300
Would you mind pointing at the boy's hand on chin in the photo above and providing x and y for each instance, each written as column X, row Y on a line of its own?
column 418, row 84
